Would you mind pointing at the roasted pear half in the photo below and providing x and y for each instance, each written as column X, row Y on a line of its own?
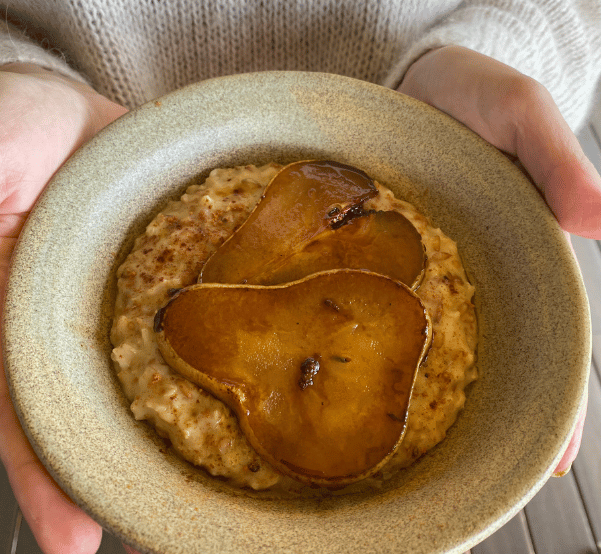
column 311, row 219
column 380, row 241
column 319, row 371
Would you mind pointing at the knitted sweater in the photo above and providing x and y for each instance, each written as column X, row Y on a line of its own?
column 135, row 50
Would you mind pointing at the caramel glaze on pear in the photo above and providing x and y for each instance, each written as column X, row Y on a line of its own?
column 310, row 219
column 319, row 371
column 384, row 242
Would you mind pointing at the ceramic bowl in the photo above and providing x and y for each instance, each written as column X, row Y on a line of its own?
column 534, row 345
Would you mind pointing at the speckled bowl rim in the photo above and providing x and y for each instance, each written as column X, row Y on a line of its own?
column 61, row 289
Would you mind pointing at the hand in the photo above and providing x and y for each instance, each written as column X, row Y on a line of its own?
column 517, row 115
column 44, row 118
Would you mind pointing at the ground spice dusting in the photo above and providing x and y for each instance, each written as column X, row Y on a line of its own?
column 169, row 255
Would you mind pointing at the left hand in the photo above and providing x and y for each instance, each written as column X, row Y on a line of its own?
column 44, row 118
column 517, row 115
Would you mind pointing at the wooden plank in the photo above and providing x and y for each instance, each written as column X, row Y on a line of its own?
column 589, row 258
column 9, row 512
column 597, row 354
column 512, row 538
column 110, row 545
column 27, row 543
column 557, row 519
column 587, row 466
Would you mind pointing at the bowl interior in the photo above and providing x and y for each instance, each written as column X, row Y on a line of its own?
column 533, row 352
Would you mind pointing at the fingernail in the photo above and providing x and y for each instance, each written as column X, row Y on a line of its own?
column 562, row 473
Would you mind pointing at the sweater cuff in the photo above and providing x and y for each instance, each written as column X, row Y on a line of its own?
column 561, row 63
column 495, row 37
column 16, row 47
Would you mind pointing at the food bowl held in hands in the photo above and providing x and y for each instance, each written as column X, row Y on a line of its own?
column 534, row 327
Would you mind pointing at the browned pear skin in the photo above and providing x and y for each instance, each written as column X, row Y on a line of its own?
column 302, row 200
column 319, row 371
column 384, row 242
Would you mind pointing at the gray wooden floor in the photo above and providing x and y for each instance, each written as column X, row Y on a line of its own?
column 563, row 518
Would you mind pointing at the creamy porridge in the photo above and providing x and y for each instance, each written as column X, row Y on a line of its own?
column 170, row 255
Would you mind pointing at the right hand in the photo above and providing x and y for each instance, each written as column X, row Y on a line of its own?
column 44, row 118
column 518, row 116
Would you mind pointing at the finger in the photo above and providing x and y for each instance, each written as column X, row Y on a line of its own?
column 57, row 524
column 571, row 452
column 572, row 190
column 553, row 157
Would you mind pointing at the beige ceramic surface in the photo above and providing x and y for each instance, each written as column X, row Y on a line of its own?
column 534, row 346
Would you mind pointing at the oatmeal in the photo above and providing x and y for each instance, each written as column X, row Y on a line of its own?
column 170, row 255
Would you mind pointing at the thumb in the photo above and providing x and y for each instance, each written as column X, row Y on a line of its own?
column 573, row 192
column 517, row 115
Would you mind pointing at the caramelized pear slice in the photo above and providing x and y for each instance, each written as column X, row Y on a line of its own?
column 302, row 200
column 319, row 371
column 383, row 242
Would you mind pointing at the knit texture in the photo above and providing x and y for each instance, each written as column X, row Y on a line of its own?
column 15, row 46
column 554, row 41
column 135, row 51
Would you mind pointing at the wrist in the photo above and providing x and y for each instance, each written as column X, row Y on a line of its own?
column 408, row 77
column 435, row 74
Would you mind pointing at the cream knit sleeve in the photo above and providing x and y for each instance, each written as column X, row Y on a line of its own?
column 16, row 47
column 557, row 42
